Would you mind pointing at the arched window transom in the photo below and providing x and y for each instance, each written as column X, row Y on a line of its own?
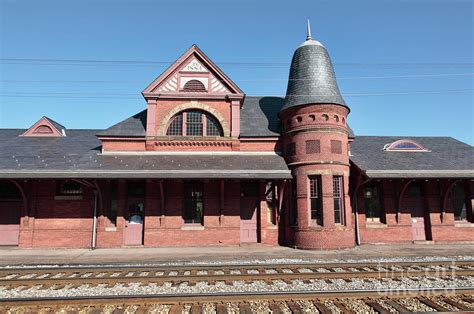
column 194, row 86
column 194, row 123
column 43, row 129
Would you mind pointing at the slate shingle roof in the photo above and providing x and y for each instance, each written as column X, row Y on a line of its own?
column 78, row 155
column 312, row 79
column 57, row 125
column 446, row 157
column 259, row 118
column 134, row 126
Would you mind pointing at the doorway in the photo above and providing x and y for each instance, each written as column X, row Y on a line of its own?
column 10, row 212
column 249, row 212
column 416, row 202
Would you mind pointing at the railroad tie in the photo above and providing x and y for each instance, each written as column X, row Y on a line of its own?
column 196, row 309
column 221, row 308
column 176, row 309
column 343, row 307
column 460, row 306
column 377, row 307
column 244, row 308
column 275, row 308
column 433, row 305
column 322, row 308
column 294, row 307
column 397, row 306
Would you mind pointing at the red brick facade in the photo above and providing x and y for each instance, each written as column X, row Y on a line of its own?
column 322, row 207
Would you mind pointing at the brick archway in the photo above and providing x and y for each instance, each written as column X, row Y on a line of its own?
column 193, row 105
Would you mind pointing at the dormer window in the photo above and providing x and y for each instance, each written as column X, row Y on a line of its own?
column 404, row 145
column 45, row 127
column 194, row 123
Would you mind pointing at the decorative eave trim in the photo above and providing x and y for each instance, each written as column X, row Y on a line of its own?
column 318, row 129
column 188, row 153
column 119, row 138
column 143, row 174
column 194, row 96
column 419, row 173
column 260, row 139
column 318, row 162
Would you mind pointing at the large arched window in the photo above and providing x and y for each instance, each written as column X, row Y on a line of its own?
column 194, row 123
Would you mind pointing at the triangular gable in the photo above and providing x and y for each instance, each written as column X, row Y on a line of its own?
column 193, row 72
column 46, row 127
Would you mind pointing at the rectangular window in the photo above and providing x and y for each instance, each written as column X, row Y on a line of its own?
column 338, row 200
column 136, row 201
column 291, row 149
column 315, row 200
column 194, row 123
column 372, row 203
column 112, row 210
column 313, row 147
column 69, row 187
column 293, row 206
column 193, row 202
column 336, row 147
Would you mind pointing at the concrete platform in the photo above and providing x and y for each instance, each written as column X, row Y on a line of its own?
column 15, row 256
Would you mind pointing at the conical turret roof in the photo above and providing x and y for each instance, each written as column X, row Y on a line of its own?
column 312, row 79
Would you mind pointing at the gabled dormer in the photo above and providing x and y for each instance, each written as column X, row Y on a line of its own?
column 193, row 104
column 193, row 75
column 45, row 127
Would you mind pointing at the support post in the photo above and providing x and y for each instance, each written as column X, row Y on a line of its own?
column 221, row 209
column 162, row 198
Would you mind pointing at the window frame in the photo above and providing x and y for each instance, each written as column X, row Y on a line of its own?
column 193, row 201
column 376, row 191
column 465, row 209
column 206, row 118
column 339, row 199
column 315, row 198
column 293, row 213
column 60, row 191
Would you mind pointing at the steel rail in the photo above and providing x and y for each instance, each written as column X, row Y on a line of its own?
column 193, row 279
column 244, row 296
column 185, row 265
column 105, row 276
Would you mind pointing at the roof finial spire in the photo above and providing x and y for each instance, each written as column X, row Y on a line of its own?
column 308, row 32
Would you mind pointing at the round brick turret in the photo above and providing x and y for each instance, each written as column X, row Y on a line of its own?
column 315, row 146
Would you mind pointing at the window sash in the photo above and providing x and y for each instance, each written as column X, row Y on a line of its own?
column 194, row 123
column 315, row 200
column 338, row 200
column 372, row 205
column 193, row 208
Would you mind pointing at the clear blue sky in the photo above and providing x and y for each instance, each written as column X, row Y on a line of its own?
column 412, row 61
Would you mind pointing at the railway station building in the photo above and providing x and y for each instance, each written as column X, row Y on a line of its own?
column 204, row 164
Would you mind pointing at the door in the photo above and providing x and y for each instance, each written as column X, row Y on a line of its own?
column 133, row 233
column 249, row 212
column 418, row 219
column 10, row 222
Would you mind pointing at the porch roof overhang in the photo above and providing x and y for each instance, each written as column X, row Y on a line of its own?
column 419, row 174
column 148, row 166
column 147, row 174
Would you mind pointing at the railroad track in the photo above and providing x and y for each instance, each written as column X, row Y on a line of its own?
column 361, row 301
column 70, row 277
column 304, row 287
